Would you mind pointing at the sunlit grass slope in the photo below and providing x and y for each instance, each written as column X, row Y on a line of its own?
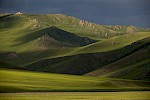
column 21, row 81
column 36, row 38
column 11, row 29
column 113, row 43
column 102, row 46
column 15, row 27
column 84, row 63
column 75, row 25
column 21, row 33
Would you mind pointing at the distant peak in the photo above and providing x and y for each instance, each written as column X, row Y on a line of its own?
column 84, row 22
column 54, row 27
column 18, row 13
column 57, row 14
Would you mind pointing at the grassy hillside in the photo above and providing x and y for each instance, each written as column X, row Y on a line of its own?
column 80, row 27
column 133, row 66
column 21, row 81
column 25, row 35
column 51, row 38
column 74, row 25
column 102, row 46
column 12, row 28
column 123, row 29
column 84, row 63
column 137, row 71
column 113, row 43
column 58, row 43
column 59, row 35
column 15, row 27
column 20, row 33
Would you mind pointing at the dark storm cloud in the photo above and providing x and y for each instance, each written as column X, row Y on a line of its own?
column 127, row 12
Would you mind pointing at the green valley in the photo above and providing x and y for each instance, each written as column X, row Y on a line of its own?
column 60, row 53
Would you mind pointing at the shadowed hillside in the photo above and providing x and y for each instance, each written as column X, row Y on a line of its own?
column 137, row 71
column 84, row 63
column 133, row 66
column 52, row 35
column 101, row 46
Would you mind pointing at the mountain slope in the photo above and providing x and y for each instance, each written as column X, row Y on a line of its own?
column 84, row 63
column 51, row 38
column 26, row 58
column 47, row 38
column 15, row 27
column 59, row 35
column 133, row 66
column 137, row 71
column 81, row 27
column 61, row 44
column 74, row 25
column 113, row 43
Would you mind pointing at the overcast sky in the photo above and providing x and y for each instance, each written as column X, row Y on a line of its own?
column 113, row 12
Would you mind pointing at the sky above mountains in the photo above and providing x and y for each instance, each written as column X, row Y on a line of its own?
column 112, row 12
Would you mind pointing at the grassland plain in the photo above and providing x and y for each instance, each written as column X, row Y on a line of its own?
column 76, row 96
column 26, row 81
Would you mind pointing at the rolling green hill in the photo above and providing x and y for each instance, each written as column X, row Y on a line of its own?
column 57, row 43
column 137, row 71
column 25, row 81
column 113, row 43
column 74, row 25
column 101, row 46
column 84, row 63
column 61, row 36
column 17, row 34
column 123, row 29
column 51, row 38
column 133, row 66
column 15, row 27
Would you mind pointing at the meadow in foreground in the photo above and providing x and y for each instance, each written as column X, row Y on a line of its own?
column 28, row 81
column 76, row 96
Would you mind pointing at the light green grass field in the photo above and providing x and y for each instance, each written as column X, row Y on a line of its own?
column 26, row 81
column 77, row 96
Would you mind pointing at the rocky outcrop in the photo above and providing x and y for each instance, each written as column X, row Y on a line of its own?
column 18, row 13
column 86, row 23
column 35, row 22
column 117, row 27
column 131, row 29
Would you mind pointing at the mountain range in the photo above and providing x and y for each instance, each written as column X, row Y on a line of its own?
column 57, row 44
